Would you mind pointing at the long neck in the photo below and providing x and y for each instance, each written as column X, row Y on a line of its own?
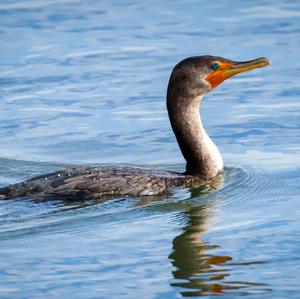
column 199, row 151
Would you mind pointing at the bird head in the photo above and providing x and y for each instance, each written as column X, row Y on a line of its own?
column 198, row 75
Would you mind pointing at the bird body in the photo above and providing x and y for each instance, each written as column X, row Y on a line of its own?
column 190, row 80
column 100, row 182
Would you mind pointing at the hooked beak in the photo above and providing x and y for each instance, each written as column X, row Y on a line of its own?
column 228, row 69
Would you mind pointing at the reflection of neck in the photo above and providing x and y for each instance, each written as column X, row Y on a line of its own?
column 199, row 151
column 191, row 256
column 189, row 243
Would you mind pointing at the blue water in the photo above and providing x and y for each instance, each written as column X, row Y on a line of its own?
column 83, row 82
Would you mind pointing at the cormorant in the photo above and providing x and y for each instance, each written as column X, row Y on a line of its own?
column 190, row 80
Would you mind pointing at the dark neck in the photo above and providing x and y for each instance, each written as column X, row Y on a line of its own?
column 200, row 153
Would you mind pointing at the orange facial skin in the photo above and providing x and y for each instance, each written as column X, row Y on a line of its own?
column 217, row 77
column 229, row 69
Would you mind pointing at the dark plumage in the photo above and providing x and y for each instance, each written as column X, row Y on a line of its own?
column 190, row 80
column 100, row 182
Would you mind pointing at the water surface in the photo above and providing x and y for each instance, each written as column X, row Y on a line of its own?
column 83, row 82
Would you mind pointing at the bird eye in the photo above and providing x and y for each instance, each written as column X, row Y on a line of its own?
column 215, row 66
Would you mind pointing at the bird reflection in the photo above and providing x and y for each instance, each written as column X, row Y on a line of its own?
column 196, row 270
column 199, row 272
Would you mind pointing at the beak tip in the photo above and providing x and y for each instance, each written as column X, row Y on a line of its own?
column 266, row 61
